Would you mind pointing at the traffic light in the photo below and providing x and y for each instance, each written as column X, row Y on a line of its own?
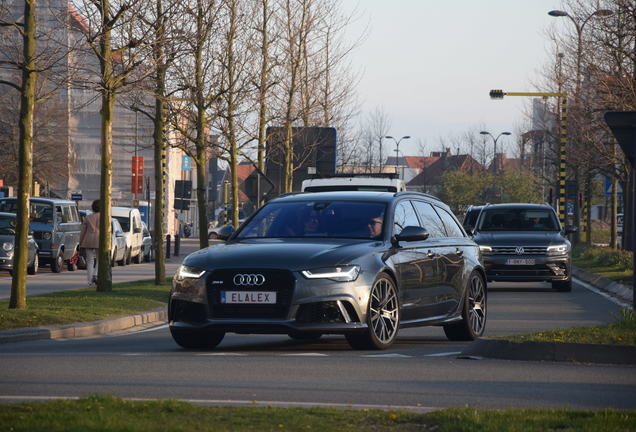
column 496, row 94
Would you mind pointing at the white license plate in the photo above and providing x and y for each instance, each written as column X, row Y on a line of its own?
column 248, row 297
column 520, row 261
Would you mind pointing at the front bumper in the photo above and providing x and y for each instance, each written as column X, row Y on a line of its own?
column 307, row 306
column 544, row 268
column 6, row 263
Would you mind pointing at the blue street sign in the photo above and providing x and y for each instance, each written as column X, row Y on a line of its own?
column 77, row 197
column 186, row 164
column 608, row 186
column 570, row 208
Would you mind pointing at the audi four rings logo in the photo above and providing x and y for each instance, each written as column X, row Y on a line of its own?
column 249, row 279
column 519, row 250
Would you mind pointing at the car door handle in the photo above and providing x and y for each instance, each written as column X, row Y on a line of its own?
column 459, row 252
column 431, row 254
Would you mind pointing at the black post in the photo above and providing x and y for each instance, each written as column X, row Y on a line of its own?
column 167, row 246
column 177, row 243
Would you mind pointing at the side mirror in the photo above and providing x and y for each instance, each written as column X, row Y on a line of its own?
column 119, row 234
column 412, row 233
column 225, row 232
column 570, row 229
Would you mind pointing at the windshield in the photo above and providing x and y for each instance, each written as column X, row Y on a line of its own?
column 518, row 219
column 124, row 221
column 325, row 219
column 7, row 225
column 39, row 212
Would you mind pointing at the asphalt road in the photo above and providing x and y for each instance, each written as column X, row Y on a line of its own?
column 421, row 371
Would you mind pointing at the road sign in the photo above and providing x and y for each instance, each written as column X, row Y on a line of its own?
column 608, row 186
column 186, row 163
column 77, row 196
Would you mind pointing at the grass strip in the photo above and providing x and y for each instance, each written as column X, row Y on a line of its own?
column 610, row 263
column 105, row 413
column 622, row 332
column 83, row 305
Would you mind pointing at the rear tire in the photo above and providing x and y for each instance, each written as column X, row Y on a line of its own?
column 473, row 321
column 562, row 286
column 127, row 257
column 137, row 259
column 196, row 339
column 383, row 317
column 112, row 258
column 57, row 266
column 33, row 268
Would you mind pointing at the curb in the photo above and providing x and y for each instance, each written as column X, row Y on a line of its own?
column 87, row 329
column 609, row 286
column 550, row 351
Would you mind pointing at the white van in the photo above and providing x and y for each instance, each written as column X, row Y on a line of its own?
column 354, row 183
column 130, row 221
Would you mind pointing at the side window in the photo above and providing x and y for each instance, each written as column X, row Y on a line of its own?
column 75, row 214
column 404, row 216
column 452, row 228
column 58, row 214
column 67, row 216
column 430, row 219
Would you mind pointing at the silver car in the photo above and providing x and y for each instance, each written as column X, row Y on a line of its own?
column 147, row 249
column 7, row 245
column 117, row 244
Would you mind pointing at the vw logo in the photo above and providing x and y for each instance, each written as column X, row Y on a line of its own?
column 519, row 250
column 248, row 280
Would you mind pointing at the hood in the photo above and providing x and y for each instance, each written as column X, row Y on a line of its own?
column 292, row 254
column 519, row 238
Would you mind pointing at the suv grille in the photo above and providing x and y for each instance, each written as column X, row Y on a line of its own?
column 280, row 281
column 527, row 250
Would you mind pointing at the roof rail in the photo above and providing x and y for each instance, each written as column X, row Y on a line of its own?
column 417, row 193
column 376, row 175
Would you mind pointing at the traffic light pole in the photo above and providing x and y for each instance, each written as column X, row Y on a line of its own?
column 563, row 137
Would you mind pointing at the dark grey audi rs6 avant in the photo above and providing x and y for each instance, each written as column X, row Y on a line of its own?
column 361, row 264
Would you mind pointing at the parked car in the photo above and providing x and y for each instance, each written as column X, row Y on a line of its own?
column 130, row 220
column 148, row 251
column 221, row 226
column 56, row 228
column 524, row 243
column 117, row 243
column 361, row 264
column 7, row 245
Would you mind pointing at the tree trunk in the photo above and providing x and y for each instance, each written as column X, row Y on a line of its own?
column 262, row 101
column 159, row 136
column 27, row 104
column 104, row 274
column 588, row 204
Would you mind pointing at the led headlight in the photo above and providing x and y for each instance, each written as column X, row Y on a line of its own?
column 7, row 246
column 347, row 273
column 187, row 272
column 485, row 250
column 561, row 249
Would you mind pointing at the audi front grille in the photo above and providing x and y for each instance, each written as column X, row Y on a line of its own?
column 279, row 281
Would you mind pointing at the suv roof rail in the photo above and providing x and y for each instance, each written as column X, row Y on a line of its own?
column 344, row 175
column 417, row 194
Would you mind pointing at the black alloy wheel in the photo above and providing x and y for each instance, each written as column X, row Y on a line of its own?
column 196, row 339
column 473, row 322
column 383, row 317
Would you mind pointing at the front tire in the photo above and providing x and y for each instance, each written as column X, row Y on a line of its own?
column 562, row 286
column 57, row 266
column 383, row 317
column 33, row 268
column 473, row 321
column 196, row 339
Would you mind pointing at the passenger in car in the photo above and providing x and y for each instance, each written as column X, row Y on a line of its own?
column 375, row 225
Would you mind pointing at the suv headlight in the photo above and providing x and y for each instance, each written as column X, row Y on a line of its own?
column 561, row 249
column 7, row 246
column 347, row 273
column 187, row 272
column 485, row 250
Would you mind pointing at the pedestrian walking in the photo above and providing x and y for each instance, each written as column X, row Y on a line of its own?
column 89, row 242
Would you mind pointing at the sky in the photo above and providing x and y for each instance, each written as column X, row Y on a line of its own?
column 429, row 65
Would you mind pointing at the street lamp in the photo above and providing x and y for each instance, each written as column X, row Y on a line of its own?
column 494, row 157
column 579, row 24
column 397, row 151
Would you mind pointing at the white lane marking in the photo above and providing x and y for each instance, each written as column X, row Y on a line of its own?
column 254, row 403
column 305, row 355
column 222, row 354
column 603, row 294
column 395, row 355
column 446, row 354
column 160, row 327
